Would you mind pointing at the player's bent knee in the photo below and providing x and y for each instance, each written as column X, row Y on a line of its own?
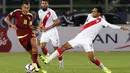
column 34, row 50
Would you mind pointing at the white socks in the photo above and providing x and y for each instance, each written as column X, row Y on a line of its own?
column 53, row 55
column 102, row 66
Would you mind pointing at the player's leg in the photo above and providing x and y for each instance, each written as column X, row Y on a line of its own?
column 34, row 45
column 43, row 41
column 72, row 43
column 60, row 58
column 38, row 65
column 88, row 46
column 94, row 60
column 56, row 53
column 44, row 49
column 97, row 62
column 59, row 51
column 26, row 43
column 30, row 52
column 56, row 43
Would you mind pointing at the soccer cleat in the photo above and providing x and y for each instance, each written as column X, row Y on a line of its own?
column 41, row 57
column 36, row 68
column 61, row 64
column 43, row 71
column 44, row 59
column 107, row 71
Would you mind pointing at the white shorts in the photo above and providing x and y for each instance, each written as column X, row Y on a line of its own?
column 50, row 35
column 81, row 42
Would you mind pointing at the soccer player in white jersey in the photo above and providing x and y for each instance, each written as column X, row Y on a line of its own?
column 49, row 21
column 89, row 30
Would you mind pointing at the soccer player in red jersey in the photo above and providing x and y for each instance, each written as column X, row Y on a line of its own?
column 23, row 25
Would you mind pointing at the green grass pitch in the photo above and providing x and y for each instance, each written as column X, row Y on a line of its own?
column 74, row 62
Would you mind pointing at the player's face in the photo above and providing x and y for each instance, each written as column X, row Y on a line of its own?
column 68, row 12
column 44, row 4
column 95, row 13
column 25, row 8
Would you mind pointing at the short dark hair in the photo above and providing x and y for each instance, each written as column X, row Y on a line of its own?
column 25, row 2
column 99, row 9
column 67, row 9
column 45, row 0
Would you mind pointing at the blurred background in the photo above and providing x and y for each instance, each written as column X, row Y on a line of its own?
column 74, row 12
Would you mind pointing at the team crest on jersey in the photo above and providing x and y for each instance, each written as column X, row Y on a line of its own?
column 21, row 15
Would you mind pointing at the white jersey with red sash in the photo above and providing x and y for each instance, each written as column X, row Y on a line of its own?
column 93, row 25
column 47, row 17
column 89, row 31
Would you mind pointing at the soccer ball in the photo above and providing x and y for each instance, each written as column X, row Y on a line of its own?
column 29, row 68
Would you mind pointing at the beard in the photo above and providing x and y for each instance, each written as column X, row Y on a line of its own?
column 44, row 8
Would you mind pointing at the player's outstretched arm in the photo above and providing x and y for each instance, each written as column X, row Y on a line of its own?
column 7, row 20
column 114, row 26
column 117, row 27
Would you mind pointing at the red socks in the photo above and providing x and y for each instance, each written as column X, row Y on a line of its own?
column 97, row 62
column 45, row 51
column 34, row 59
column 60, row 51
column 60, row 58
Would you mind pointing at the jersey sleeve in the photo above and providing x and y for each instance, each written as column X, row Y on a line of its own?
column 12, row 14
column 54, row 16
column 106, row 24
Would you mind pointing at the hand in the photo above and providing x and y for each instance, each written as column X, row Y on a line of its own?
column 14, row 26
column 44, row 28
column 125, row 29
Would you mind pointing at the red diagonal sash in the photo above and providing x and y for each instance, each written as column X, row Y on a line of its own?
column 46, row 18
column 90, row 24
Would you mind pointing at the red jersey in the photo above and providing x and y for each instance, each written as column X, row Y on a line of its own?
column 22, row 22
